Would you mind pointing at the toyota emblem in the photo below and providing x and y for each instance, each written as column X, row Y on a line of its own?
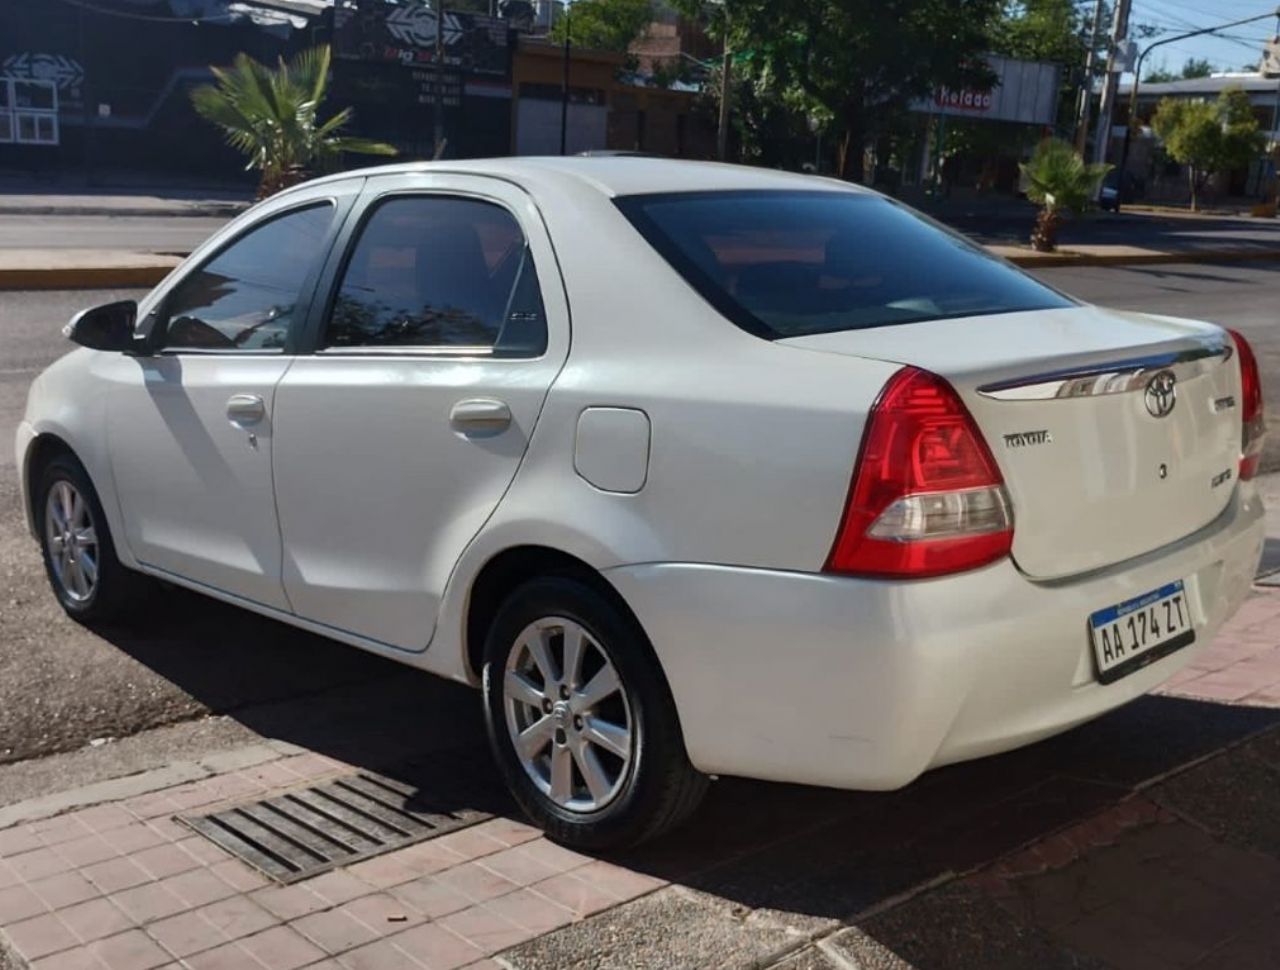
column 1161, row 394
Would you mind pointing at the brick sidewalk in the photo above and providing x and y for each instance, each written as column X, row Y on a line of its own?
column 122, row 886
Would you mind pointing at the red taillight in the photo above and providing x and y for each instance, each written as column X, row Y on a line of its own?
column 927, row 497
column 1251, row 411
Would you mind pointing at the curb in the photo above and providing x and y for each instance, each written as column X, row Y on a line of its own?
column 84, row 277
column 220, row 210
column 1066, row 257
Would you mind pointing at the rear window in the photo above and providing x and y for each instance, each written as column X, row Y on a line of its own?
column 789, row 264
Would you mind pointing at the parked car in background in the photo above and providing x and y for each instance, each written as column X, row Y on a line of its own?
column 693, row 469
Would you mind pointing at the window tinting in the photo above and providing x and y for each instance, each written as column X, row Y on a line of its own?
column 784, row 264
column 244, row 298
column 430, row 271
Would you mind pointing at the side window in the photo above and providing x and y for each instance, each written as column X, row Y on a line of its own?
column 244, row 298
column 433, row 271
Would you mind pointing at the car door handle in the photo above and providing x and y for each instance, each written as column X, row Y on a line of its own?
column 480, row 414
column 245, row 409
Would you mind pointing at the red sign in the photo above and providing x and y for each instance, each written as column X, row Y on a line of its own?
column 965, row 100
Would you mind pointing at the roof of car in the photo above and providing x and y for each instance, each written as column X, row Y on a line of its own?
column 615, row 175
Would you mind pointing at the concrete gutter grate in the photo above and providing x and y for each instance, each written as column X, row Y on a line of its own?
column 302, row 833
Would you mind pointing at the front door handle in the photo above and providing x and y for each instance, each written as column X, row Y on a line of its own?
column 245, row 409
column 480, row 415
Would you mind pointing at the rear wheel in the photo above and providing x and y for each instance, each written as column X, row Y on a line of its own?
column 581, row 721
column 79, row 556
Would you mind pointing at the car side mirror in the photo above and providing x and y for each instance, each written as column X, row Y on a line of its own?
column 106, row 327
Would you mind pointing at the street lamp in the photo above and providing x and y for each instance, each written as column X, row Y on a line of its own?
column 1137, row 80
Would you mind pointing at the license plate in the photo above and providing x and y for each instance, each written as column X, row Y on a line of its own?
column 1140, row 631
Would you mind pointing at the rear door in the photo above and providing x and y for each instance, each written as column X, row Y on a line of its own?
column 441, row 328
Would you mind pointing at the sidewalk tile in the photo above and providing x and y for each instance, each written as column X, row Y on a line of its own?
column 556, row 856
column 18, row 903
column 485, row 929
column 473, row 880
column 104, row 818
column 149, row 902
column 151, row 805
column 334, row 931
column 382, row 955
column 281, row 948
column 128, row 839
column 38, row 863
column 86, row 851
column 228, row 957
column 382, row 913
column 38, row 937
column 237, row 917
column 508, row 831
column 288, row 902
column 204, row 851
column 579, row 897
column 164, row 860
column 198, row 887
column 430, row 897
column 15, row 841
column 436, row 947
column 7, row 876
column 60, row 828
column 239, row 876
column 385, row 871
column 338, row 887
column 533, row 912
column 115, row 874
column 64, row 889
column 518, row 866
column 470, row 844
column 94, row 920
column 81, row 958
column 621, row 882
column 132, row 950
column 185, row 934
column 430, row 856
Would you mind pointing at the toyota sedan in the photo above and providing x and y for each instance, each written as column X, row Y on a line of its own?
column 693, row 469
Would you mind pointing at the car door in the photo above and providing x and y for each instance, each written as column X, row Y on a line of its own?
column 445, row 326
column 190, row 426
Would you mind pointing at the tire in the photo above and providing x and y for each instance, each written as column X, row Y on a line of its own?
column 634, row 797
column 96, row 587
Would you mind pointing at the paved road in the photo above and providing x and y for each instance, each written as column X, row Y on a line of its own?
column 61, row 685
column 154, row 234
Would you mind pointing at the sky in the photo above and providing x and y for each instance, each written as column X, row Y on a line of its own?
column 1239, row 46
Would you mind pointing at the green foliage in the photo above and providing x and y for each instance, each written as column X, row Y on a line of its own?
column 1058, row 179
column 1209, row 136
column 1191, row 68
column 1041, row 30
column 607, row 25
column 271, row 115
column 858, row 63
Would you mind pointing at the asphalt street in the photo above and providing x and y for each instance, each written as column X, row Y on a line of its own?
column 146, row 234
column 62, row 686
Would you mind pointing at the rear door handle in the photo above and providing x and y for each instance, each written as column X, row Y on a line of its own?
column 480, row 414
column 245, row 409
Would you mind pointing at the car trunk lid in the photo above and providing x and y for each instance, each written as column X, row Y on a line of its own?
column 1116, row 433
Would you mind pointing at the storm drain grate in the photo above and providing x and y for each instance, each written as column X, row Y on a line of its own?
column 302, row 833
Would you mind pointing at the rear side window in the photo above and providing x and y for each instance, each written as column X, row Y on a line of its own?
column 439, row 272
column 793, row 263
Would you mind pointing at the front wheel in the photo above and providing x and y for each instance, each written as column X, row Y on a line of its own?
column 581, row 721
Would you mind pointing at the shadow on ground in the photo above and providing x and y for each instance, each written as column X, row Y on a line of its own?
column 817, row 855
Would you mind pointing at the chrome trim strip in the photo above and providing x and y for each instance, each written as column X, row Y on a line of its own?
column 1113, row 377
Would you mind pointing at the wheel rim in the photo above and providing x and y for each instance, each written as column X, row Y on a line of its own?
column 567, row 715
column 72, row 540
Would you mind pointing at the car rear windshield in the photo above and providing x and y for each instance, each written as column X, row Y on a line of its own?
column 793, row 263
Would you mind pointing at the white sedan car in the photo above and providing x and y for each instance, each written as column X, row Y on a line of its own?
column 695, row 469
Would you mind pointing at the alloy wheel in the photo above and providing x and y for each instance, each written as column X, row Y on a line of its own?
column 567, row 715
column 72, row 541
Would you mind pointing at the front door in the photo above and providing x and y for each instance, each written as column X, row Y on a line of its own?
column 191, row 427
column 398, row 436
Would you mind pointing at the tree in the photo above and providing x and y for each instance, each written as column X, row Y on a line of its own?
column 607, row 25
column 860, row 63
column 1208, row 136
column 272, row 116
column 1196, row 67
column 1040, row 30
column 1059, row 181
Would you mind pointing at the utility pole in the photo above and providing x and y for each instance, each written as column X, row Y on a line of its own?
column 1085, row 107
column 564, row 88
column 722, row 133
column 1111, row 82
column 439, row 74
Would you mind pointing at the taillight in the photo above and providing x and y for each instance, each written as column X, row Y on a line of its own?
column 1251, row 410
column 927, row 498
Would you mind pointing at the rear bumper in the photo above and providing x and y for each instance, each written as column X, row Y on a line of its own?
column 865, row 684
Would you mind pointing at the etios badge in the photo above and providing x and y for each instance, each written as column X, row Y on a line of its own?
column 1161, row 394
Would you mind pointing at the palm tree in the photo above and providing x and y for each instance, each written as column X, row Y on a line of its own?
column 1060, row 181
column 272, row 116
